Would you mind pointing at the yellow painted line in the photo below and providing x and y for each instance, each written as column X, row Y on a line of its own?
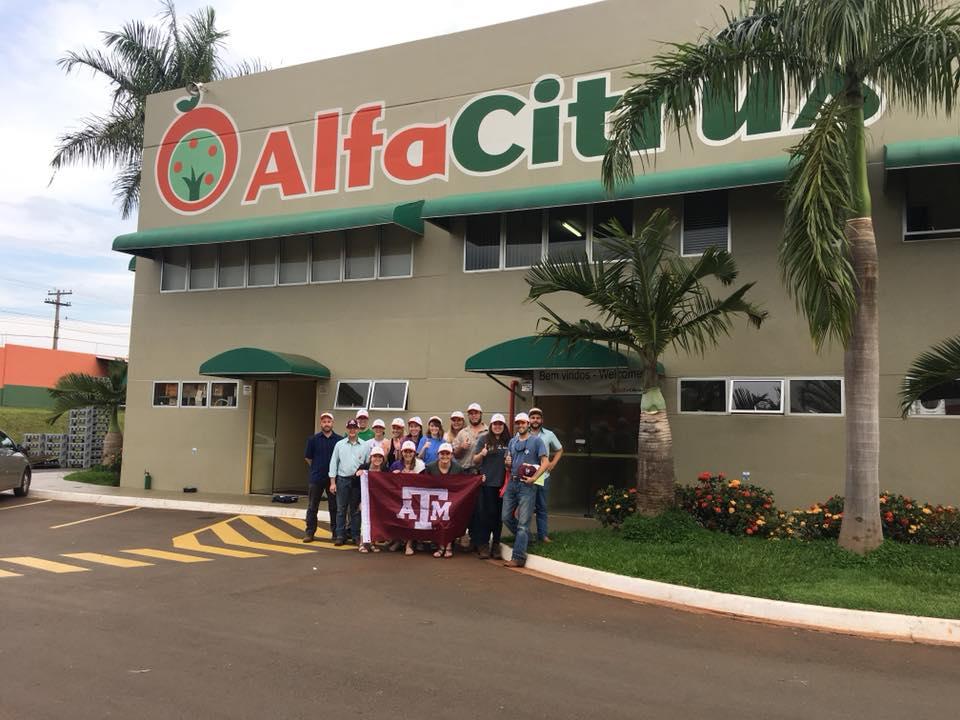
column 166, row 555
column 7, row 573
column 302, row 526
column 231, row 537
column 98, row 517
column 14, row 507
column 47, row 565
column 271, row 531
column 107, row 560
column 191, row 542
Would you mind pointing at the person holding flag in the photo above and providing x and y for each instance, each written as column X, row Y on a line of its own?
column 408, row 463
column 376, row 463
column 444, row 465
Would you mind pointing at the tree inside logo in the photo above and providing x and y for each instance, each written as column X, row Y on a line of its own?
column 197, row 158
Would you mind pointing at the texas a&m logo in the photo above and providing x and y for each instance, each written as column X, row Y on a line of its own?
column 432, row 505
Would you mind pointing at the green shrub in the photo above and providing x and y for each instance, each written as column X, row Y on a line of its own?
column 614, row 505
column 729, row 506
column 672, row 526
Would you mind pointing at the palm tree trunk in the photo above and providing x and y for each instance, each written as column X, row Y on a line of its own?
column 113, row 440
column 655, row 479
column 861, row 530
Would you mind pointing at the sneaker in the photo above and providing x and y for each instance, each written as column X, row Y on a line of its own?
column 546, row 540
column 513, row 564
column 495, row 550
column 483, row 553
column 309, row 539
column 338, row 542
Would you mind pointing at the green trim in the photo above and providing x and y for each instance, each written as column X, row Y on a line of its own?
column 132, row 267
column 406, row 215
column 25, row 396
column 251, row 362
column 922, row 153
column 671, row 182
column 532, row 352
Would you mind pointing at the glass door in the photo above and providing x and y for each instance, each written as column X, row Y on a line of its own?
column 264, row 436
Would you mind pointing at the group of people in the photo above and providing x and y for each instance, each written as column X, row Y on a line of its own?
column 514, row 473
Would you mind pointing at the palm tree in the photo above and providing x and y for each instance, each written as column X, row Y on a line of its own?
column 141, row 59
column 908, row 50
column 934, row 374
column 648, row 300
column 79, row 390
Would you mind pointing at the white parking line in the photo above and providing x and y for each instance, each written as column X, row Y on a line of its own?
column 14, row 507
column 98, row 517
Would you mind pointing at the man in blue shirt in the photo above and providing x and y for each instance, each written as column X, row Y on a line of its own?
column 317, row 456
column 348, row 456
column 542, row 483
column 526, row 454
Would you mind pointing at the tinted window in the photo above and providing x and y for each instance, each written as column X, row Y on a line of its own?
column 816, row 397
column 482, row 243
column 352, row 393
column 703, row 396
column 757, row 396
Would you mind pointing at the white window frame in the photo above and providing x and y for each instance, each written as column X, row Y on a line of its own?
column 734, row 380
column 216, row 270
column 236, row 395
column 376, row 258
column 501, row 255
column 726, row 392
column 633, row 217
column 336, row 395
column 153, row 391
column 206, row 394
column 276, row 264
column 503, row 239
column 391, row 277
column 843, row 396
column 309, row 260
column 186, row 277
column 246, row 260
column 343, row 259
column 683, row 202
column 406, row 392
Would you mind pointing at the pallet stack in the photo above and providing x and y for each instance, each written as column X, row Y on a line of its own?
column 87, row 427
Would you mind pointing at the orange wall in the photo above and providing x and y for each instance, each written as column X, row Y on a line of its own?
column 42, row 367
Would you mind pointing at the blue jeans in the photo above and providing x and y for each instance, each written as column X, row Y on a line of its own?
column 521, row 497
column 348, row 496
column 541, row 508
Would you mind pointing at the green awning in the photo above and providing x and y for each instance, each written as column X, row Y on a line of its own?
column 132, row 267
column 406, row 215
column 528, row 353
column 649, row 184
column 252, row 362
column 922, row 153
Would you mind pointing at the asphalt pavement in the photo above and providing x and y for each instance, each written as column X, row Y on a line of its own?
column 246, row 630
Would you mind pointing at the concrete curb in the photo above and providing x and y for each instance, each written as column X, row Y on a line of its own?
column 863, row 623
column 170, row 504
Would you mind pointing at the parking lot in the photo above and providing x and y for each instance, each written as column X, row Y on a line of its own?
column 128, row 627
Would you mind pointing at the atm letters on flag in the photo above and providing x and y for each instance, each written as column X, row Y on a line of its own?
column 408, row 506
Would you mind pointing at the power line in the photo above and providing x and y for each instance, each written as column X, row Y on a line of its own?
column 47, row 337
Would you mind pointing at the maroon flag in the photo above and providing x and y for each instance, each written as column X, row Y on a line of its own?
column 408, row 506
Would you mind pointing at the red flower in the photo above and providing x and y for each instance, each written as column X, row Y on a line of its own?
column 721, row 476
column 888, row 516
column 704, row 476
column 716, row 510
column 749, row 531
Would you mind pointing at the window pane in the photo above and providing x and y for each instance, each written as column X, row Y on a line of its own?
column 389, row 396
column 194, row 394
column 232, row 256
column 361, row 256
column 703, row 396
column 352, row 394
column 705, row 219
column 524, row 232
column 932, row 208
column 757, row 395
column 396, row 252
column 816, row 396
column 223, row 394
column 567, row 233
column 941, row 400
column 482, row 243
column 174, row 273
column 293, row 259
column 165, row 394
column 326, row 257
column 203, row 267
column 262, row 269
column 604, row 213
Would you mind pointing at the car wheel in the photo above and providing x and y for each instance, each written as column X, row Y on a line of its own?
column 24, row 488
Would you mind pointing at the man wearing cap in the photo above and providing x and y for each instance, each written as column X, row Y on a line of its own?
column 463, row 452
column 365, row 433
column 555, row 452
column 444, row 465
column 317, row 456
column 526, row 454
column 348, row 456
column 396, row 440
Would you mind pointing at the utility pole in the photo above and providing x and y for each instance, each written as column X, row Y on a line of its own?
column 56, row 318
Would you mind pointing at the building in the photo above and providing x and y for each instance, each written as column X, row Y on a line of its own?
column 27, row 372
column 353, row 232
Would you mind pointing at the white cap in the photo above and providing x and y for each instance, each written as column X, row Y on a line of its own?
column 379, row 423
column 456, row 414
column 521, row 417
column 362, row 412
column 377, row 450
column 398, row 422
column 498, row 417
column 408, row 445
column 326, row 414
column 533, row 410
column 474, row 406
column 416, row 419
column 445, row 447
column 435, row 417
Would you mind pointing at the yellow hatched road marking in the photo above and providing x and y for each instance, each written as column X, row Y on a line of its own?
column 14, row 507
column 107, row 560
column 7, row 573
column 166, row 555
column 47, row 565
column 302, row 526
column 271, row 531
column 231, row 537
column 190, row 541
column 98, row 517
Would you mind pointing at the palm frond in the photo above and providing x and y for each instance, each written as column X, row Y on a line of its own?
column 814, row 255
column 935, row 367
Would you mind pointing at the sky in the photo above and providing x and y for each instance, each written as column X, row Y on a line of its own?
column 56, row 232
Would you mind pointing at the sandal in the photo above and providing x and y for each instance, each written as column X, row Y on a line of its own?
column 374, row 548
column 448, row 553
column 363, row 548
column 409, row 550
column 438, row 553
column 394, row 546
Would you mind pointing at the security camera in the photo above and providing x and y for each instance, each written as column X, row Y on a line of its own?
column 195, row 88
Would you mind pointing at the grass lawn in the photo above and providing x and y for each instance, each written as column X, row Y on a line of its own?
column 900, row 578
column 94, row 477
column 17, row 421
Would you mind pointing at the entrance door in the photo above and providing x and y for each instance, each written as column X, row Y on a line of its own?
column 283, row 419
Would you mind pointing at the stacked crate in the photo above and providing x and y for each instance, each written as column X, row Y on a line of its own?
column 55, row 448
column 33, row 444
column 87, row 427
